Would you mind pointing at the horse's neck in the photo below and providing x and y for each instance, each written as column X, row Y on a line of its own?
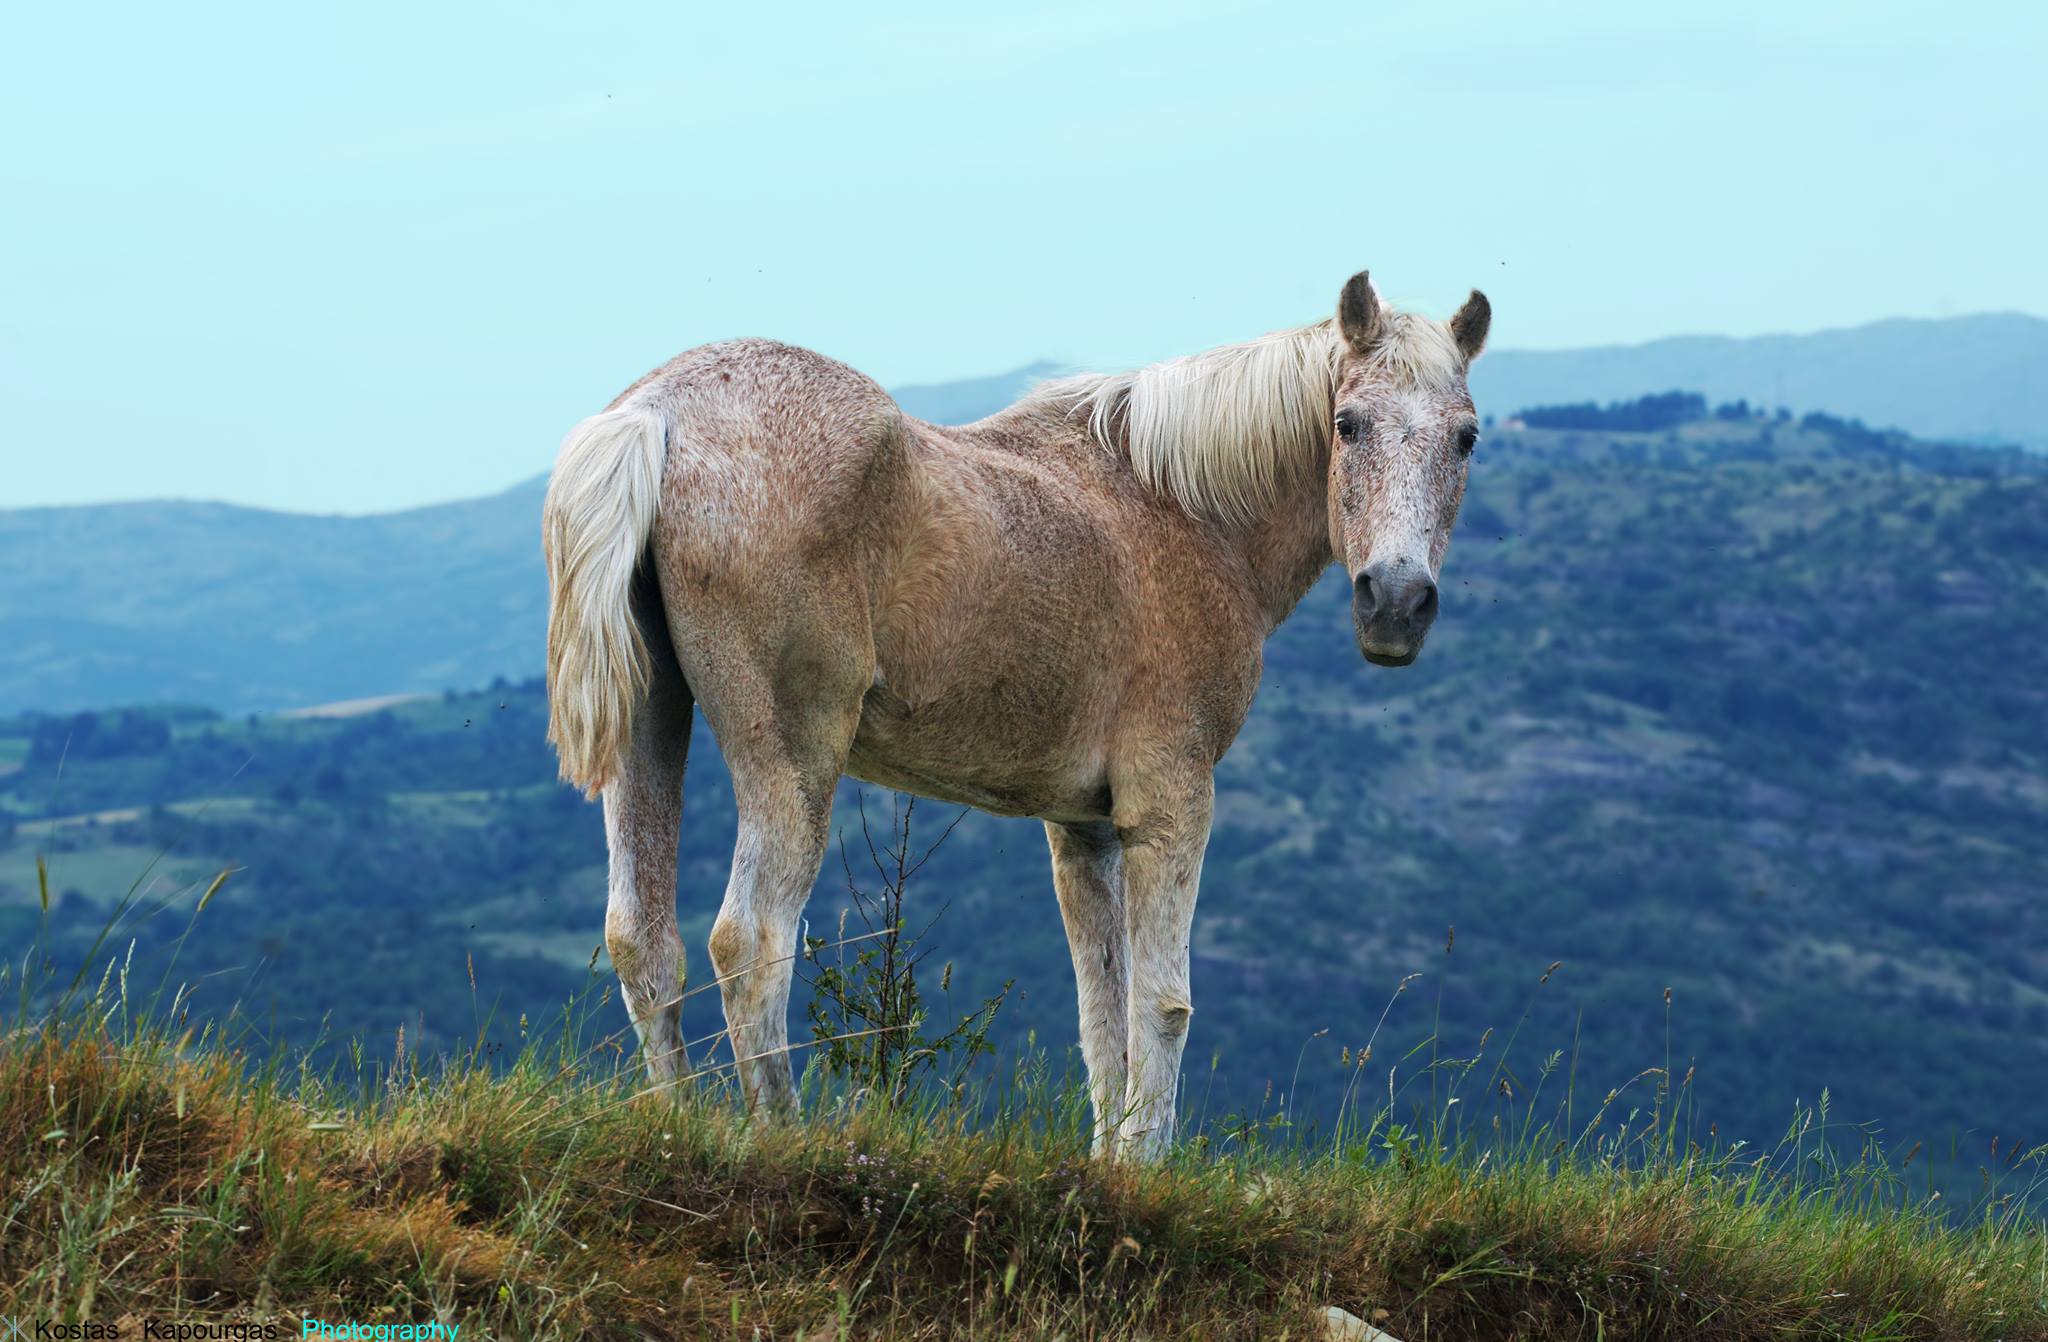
column 1288, row 547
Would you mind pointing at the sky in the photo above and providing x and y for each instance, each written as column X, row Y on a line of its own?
column 362, row 257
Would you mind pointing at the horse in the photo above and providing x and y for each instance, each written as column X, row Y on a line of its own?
column 1055, row 612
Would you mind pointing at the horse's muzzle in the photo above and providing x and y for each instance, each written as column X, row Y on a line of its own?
column 1392, row 607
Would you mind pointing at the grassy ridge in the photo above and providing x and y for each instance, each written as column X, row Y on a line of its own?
column 148, row 1176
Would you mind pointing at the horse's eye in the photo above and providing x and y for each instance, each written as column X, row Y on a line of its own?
column 1467, row 436
column 1350, row 425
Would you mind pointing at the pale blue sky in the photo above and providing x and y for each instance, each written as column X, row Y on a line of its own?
column 374, row 255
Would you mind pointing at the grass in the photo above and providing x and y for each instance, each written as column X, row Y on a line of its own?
column 151, row 1171
column 157, row 1169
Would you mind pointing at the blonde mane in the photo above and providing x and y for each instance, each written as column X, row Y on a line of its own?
column 1222, row 431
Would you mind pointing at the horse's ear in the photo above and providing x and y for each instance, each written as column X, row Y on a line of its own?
column 1358, row 314
column 1468, row 326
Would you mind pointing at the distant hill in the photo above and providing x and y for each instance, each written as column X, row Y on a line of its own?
column 1971, row 379
column 245, row 609
column 964, row 402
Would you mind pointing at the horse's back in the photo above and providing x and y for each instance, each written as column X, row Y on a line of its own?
column 772, row 450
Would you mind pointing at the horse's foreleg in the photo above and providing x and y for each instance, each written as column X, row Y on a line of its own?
column 643, row 808
column 1087, row 871
column 1163, row 841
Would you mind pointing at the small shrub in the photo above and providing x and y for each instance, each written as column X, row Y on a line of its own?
column 868, row 1013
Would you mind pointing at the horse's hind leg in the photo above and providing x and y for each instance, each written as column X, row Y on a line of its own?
column 783, row 694
column 643, row 808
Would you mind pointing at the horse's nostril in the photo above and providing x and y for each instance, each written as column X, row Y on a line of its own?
column 1366, row 597
column 1424, row 609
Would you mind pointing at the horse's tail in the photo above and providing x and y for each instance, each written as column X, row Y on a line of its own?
column 594, row 528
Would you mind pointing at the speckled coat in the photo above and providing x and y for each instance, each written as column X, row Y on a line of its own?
column 1018, row 614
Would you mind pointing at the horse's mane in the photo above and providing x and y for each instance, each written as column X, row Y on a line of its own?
column 1223, row 430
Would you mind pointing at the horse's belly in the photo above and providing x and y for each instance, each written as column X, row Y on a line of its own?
column 976, row 759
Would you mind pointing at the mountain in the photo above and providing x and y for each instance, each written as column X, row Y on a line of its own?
column 964, row 402
column 245, row 609
column 1971, row 379
column 1749, row 712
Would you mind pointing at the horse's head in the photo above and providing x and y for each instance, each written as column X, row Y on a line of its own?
column 1402, row 441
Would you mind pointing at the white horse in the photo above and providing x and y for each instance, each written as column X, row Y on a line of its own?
column 1056, row 612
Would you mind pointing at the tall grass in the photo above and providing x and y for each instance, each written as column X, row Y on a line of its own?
column 153, row 1167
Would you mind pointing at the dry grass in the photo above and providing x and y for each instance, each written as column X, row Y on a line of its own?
column 151, row 1178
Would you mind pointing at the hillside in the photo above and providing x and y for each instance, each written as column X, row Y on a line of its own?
column 162, row 1185
column 1746, row 710
column 244, row 609
column 1961, row 378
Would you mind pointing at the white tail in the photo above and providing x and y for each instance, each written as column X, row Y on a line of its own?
column 594, row 525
